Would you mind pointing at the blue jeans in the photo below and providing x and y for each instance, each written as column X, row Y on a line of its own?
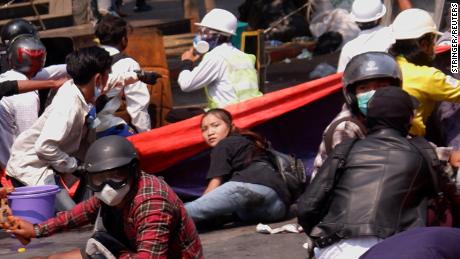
column 251, row 202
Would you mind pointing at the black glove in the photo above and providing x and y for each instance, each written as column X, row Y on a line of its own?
column 147, row 77
column 80, row 171
column 101, row 101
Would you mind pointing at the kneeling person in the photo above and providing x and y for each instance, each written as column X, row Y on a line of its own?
column 136, row 214
column 381, row 188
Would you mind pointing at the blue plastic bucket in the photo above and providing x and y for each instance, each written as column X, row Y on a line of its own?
column 33, row 203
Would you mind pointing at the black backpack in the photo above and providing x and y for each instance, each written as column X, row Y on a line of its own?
column 292, row 171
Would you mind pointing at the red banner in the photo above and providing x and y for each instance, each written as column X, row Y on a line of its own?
column 162, row 147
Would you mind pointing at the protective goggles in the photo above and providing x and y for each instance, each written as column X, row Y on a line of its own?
column 116, row 178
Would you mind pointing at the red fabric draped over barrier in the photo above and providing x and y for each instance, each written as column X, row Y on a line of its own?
column 162, row 147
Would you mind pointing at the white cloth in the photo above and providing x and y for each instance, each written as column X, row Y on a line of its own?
column 56, row 136
column 214, row 74
column 288, row 228
column 136, row 94
column 96, row 249
column 338, row 20
column 351, row 248
column 379, row 38
column 17, row 113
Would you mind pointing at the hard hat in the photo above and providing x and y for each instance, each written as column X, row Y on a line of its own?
column 16, row 27
column 369, row 65
column 220, row 20
column 367, row 10
column 413, row 24
column 26, row 54
column 109, row 153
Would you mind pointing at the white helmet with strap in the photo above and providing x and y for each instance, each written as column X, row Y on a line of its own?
column 364, row 11
column 412, row 24
column 220, row 20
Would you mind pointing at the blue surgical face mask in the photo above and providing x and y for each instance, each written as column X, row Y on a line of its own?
column 363, row 100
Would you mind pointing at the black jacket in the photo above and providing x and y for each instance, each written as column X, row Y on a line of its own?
column 382, row 190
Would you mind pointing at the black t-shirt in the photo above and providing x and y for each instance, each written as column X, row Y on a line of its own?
column 233, row 159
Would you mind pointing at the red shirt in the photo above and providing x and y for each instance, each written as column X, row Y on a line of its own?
column 156, row 222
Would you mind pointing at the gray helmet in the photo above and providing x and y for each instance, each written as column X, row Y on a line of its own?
column 109, row 153
column 16, row 27
column 26, row 54
column 369, row 65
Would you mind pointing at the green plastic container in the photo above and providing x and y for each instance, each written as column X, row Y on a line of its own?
column 236, row 40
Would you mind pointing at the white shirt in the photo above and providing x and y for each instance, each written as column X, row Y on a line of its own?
column 51, row 72
column 137, row 98
column 214, row 74
column 375, row 39
column 17, row 113
column 50, row 141
column 56, row 136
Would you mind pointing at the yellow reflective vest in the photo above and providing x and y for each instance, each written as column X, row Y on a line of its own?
column 227, row 75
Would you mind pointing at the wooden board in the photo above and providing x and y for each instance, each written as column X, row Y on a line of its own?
column 48, row 10
column 146, row 46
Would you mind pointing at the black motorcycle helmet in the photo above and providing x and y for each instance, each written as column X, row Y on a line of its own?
column 369, row 65
column 109, row 153
column 16, row 27
column 26, row 54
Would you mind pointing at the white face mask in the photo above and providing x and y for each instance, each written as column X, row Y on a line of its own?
column 97, row 92
column 110, row 196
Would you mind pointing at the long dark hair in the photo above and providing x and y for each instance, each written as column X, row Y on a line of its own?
column 411, row 50
column 260, row 142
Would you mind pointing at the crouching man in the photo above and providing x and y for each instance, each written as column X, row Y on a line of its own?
column 374, row 189
column 137, row 215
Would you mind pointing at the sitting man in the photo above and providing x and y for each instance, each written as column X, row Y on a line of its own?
column 112, row 33
column 51, row 146
column 378, row 188
column 137, row 215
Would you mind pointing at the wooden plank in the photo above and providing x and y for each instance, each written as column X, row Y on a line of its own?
column 61, row 7
column 24, row 4
column 72, row 31
column 35, row 18
column 83, row 30
column 146, row 46
column 179, row 40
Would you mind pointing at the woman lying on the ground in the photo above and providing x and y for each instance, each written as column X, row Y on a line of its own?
column 242, row 180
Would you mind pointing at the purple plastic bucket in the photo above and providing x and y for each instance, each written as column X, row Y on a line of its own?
column 33, row 203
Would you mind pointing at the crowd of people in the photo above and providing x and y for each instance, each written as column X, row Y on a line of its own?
column 373, row 177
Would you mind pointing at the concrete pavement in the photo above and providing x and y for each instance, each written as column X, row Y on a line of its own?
column 230, row 243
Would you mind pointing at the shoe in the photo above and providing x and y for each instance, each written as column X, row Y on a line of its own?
column 142, row 8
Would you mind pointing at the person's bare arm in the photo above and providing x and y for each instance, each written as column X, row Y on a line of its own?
column 404, row 4
column 32, row 85
column 213, row 184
